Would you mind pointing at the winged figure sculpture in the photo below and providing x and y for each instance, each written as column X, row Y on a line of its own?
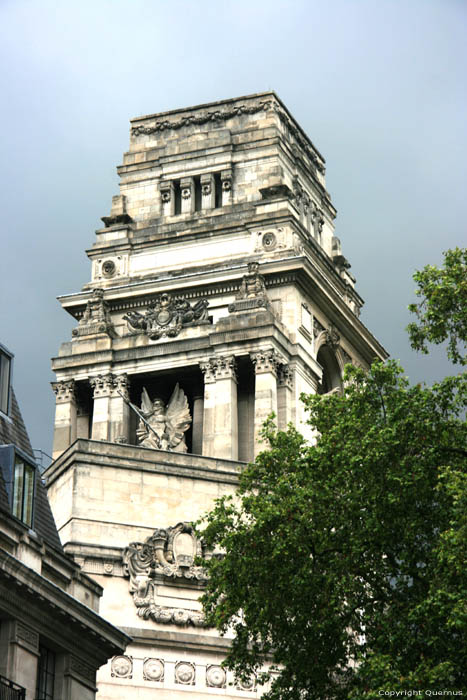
column 164, row 427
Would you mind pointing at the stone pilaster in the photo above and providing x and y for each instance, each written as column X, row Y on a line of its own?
column 226, row 179
column 220, row 425
column 119, row 429
column 266, row 364
column 198, row 420
column 167, row 198
column 284, row 396
column 187, row 188
column 65, row 416
column 208, row 192
column 102, row 386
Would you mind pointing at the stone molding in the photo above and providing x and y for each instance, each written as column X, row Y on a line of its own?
column 266, row 361
column 216, row 677
column 64, row 390
column 219, row 368
column 26, row 636
column 220, row 115
column 82, row 669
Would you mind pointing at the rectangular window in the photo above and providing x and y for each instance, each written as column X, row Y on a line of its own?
column 5, row 372
column 45, row 674
column 23, row 490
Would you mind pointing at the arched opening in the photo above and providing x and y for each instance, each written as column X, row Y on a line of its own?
column 331, row 372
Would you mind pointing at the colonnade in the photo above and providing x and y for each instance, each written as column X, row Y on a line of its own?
column 215, row 414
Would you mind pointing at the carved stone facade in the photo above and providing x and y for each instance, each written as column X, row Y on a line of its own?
column 223, row 295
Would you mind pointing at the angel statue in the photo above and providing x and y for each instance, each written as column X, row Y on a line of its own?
column 164, row 427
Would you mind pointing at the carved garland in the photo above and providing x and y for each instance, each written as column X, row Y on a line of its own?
column 219, row 115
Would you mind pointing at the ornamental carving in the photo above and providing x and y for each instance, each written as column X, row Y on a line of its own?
column 107, row 384
column 285, row 376
column 332, row 337
column 153, row 670
column 216, row 677
column 64, row 390
column 202, row 118
column 219, row 115
column 219, row 368
column 252, row 291
column 96, row 317
column 246, row 684
column 185, row 673
column 266, row 361
column 167, row 316
column 121, row 667
column 170, row 553
column 163, row 427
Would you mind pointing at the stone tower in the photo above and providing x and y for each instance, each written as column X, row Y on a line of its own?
column 218, row 294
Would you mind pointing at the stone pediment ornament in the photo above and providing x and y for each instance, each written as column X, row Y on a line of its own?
column 252, row 292
column 167, row 553
column 167, row 316
column 96, row 318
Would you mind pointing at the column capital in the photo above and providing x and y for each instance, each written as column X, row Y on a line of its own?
column 266, row 360
column 219, row 368
column 122, row 384
column 102, row 384
column 64, row 390
column 285, row 376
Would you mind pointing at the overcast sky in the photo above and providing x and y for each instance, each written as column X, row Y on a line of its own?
column 378, row 85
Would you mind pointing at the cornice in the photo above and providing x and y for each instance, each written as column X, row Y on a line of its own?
column 219, row 114
column 66, row 607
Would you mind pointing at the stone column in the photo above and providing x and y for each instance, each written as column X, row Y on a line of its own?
column 120, row 410
column 208, row 192
column 198, row 417
column 102, row 386
column 65, row 416
column 284, row 396
column 220, row 426
column 266, row 363
column 167, row 198
column 187, row 187
column 226, row 179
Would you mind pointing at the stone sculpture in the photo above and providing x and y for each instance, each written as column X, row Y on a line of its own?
column 167, row 316
column 168, row 552
column 163, row 427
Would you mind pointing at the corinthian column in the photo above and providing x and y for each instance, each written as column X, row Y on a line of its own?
column 220, row 425
column 119, row 430
column 102, row 386
column 65, row 416
column 266, row 365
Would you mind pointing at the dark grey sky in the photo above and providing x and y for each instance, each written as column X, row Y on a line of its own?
column 378, row 85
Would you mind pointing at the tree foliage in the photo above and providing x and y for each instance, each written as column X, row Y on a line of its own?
column 344, row 561
column 442, row 311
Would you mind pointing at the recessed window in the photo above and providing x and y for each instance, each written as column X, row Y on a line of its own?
column 23, row 490
column 5, row 376
column 45, row 674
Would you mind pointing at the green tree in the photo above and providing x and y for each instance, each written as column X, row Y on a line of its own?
column 442, row 311
column 351, row 549
column 344, row 562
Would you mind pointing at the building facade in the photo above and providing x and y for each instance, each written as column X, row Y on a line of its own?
column 218, row 294
column 52, row 639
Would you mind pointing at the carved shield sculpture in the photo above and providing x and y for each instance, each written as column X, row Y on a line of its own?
column 167, row 553
column 167, row 316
